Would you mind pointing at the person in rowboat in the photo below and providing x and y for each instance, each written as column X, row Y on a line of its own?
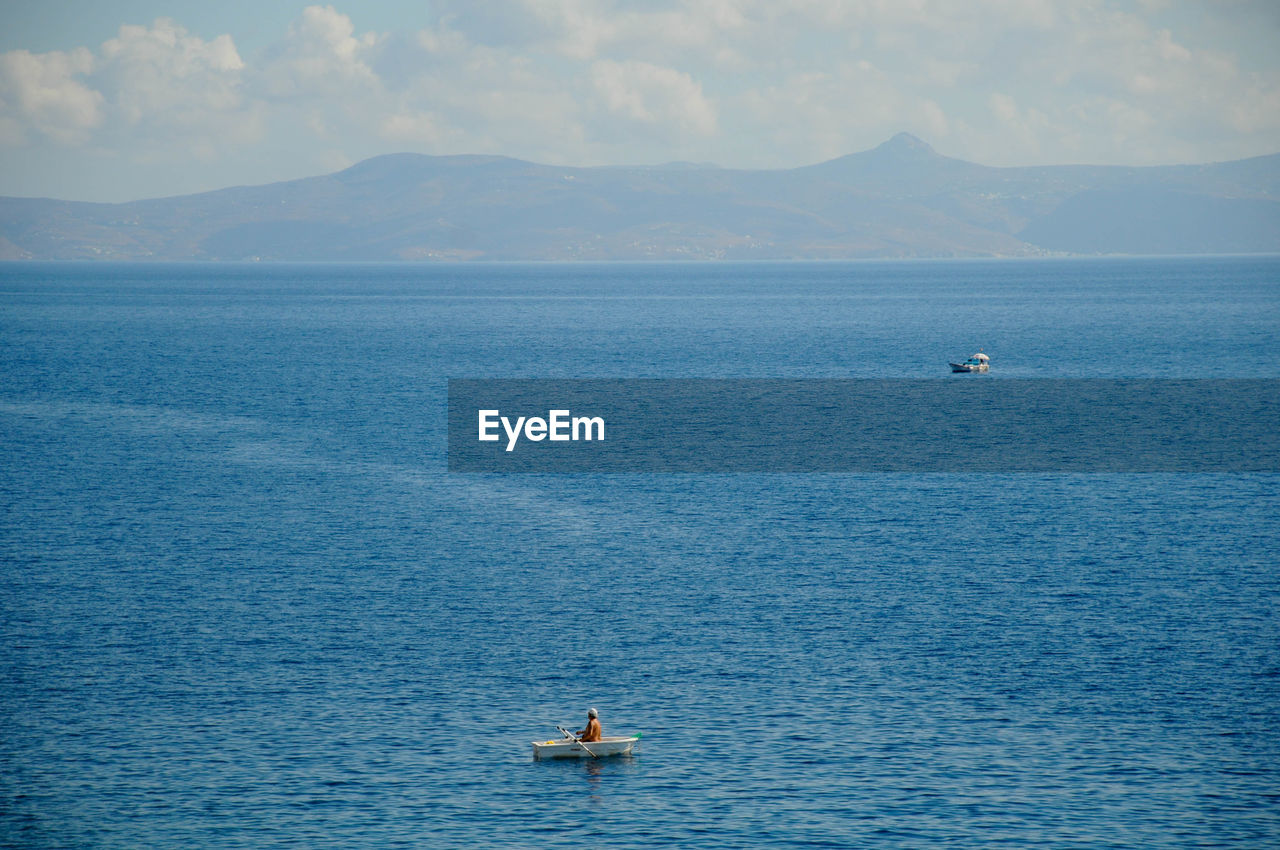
column 593, row 730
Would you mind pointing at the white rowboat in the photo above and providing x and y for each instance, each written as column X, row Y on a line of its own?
column 570, row 748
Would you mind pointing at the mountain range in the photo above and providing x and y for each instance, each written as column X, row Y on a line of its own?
column 901, row 199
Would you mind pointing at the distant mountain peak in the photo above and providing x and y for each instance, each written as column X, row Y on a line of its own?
column 902, row 158
column 906, row 143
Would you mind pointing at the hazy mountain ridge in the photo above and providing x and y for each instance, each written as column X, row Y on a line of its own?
column 900, row 199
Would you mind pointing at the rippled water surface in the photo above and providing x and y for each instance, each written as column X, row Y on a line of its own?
column 243, row 604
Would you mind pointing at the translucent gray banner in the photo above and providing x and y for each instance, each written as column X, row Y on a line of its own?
column 968, row 424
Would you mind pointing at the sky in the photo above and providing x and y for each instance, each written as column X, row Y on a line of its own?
column 137, row 98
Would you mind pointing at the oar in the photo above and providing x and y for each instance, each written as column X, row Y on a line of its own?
column 579, row 740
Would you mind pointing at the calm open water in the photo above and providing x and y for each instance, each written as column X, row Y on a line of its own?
column 243, row 605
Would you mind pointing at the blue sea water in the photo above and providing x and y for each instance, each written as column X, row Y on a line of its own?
column 243, row 605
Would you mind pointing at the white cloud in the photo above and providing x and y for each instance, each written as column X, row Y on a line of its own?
column 1134, row 92
column 320, row 56
column 749, row 83
column 449, row 95
column 163, row 76
column 1003, row 107
column 648, row 94
column 414, row 127
column 1019, row 126
column 44, row 93
column 580, row 30
column 173, row 98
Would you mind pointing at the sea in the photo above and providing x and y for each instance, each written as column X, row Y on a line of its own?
column 244, row 603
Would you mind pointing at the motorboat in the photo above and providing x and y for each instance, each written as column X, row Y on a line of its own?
column 977, row 363
column 569, row 747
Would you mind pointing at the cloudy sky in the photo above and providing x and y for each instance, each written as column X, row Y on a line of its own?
column 138, row 98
